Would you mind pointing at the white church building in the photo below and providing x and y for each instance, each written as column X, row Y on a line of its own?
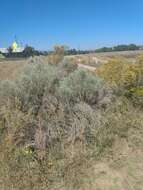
column 15, row 47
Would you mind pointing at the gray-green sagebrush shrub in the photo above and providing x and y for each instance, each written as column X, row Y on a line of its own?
column 82, row 86
column 35, row 82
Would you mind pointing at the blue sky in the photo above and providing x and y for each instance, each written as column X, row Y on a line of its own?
column 84, row 24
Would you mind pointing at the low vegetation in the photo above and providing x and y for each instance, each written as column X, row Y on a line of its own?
column 125, row 77
column 65, row 128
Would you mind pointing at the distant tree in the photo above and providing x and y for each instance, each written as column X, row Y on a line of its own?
column 10, row 52
column 104, row 49
column 133, row 47
column 29, row 51
column 122, row 47
column 9, row 49
column 71, row 52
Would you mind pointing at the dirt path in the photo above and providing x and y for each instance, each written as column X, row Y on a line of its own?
column 87, row 67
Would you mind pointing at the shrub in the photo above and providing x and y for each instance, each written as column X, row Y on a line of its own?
column 119, row 73
column 57, row 56
column 84, row 123
column 68, row 66
column 35, row 81
column 81, row 86
column 127, row 78
column 122, row 73
column 31, row 85
column 136, row 95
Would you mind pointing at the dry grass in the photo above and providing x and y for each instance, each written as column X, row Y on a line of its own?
column 9, row 68
column 121, row 172
column 95, row 59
